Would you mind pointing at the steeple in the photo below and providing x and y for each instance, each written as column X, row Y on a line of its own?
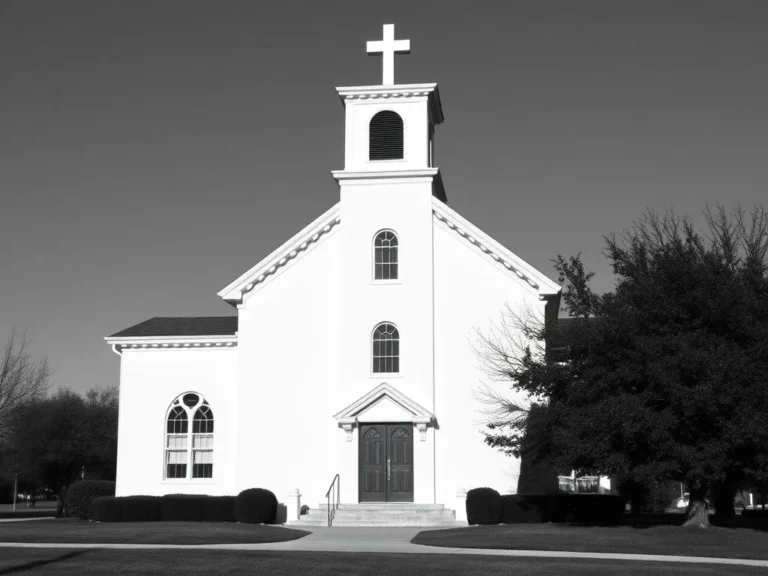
column 389, row 128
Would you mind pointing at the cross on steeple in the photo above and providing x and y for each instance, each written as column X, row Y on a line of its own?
column 388, row 47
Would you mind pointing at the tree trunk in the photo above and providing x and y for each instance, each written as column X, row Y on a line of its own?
column 697, row 514
column 722, row 499
column 61, row 506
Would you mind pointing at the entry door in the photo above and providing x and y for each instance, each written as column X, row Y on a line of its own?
column 386, row 463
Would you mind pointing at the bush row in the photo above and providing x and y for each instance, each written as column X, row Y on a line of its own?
column 755, row 513
column 170, row 508
column 486, row 506
column 89, row 499
column 81, row 494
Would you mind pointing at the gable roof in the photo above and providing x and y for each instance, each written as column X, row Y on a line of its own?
column 415, row 411
column 182, row 326
column 492, row 249
column 315, row 231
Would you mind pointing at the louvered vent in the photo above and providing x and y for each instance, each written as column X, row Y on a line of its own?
column 386, row 136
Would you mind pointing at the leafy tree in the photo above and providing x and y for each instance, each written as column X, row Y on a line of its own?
column 21, row 380
column 65, row 436
column 665, row 376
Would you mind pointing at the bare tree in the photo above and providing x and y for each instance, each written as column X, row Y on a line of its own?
column 21, row 379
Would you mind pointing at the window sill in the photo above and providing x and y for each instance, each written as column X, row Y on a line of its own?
column 387, row 375
column 385, row 282
column 195, row 481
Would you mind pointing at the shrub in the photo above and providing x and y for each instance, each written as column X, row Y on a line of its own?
column 756, row 513
column 483, row 506
column 140, row 508
column 595, row 508
column 174, row 507
column 256, row 506
column 182, row 507
column 582, row 508
column 106, row 509
column 528, row 508
column 81, row 494
column 219, row 509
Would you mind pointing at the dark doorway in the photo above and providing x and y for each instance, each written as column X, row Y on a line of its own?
column 386, row 463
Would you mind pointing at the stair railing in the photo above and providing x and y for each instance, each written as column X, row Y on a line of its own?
column 333, row 498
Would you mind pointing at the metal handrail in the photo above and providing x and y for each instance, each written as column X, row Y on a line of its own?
column 336, row 497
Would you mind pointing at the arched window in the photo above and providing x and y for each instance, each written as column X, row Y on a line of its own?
column 386, row 349
column 189, row 453
column 385, row 255
column 385, row 136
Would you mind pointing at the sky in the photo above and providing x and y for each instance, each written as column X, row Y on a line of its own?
column 151, row 152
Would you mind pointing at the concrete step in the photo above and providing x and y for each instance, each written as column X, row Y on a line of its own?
column 381, row 514
column 381, row 522
column 375, row 507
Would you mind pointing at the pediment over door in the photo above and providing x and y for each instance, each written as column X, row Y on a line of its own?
column 384, row 404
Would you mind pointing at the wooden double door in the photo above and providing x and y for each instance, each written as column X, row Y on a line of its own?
column 386, row 462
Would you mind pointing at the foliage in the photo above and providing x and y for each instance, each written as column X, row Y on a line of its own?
column 82, row 493
column 581, row 508
column 537, row 474
column 126, row 509
column 173, row 507
column 22, row 380
column 664, row 377
column 182, row 507
column 64, row 437
column 483, row 506
column 219, row 509
column 106, row 509
column 256, row 506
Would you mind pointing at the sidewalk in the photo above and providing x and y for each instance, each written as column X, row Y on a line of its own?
column 395, row 541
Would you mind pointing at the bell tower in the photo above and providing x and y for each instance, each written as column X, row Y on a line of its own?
column 389, row 128
column 388, row 189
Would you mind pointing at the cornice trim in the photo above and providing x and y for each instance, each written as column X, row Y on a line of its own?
column 420, row 416
column 427, row 174
column 163, row 342
column 494, row 250
column 286, row 253
column 397, row 91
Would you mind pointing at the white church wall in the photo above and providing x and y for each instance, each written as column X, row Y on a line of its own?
column 471, row 293
column 150, row 379
column 288, row 339
column 406, row 208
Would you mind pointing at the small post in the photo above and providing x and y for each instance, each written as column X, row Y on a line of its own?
column 15, row 489
column 461, row 505
column 294, row 505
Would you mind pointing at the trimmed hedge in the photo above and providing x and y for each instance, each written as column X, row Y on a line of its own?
column 105, row 509
column 126, row 509
column 755, row 513
column 140, row 508
column 483, row 506
column 564, row 507
column 182, row 507
column 219, row 509
column 82, row 493
column 256, row 506
column 173, row 507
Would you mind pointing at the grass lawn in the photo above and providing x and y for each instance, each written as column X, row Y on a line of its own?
column 72, row 530
column 42, row 509
column 712, row 542
column 37, row 561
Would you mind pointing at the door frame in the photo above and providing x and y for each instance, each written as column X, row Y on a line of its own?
column 387, row 425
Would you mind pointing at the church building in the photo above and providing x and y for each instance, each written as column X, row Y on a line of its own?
column 352, row 352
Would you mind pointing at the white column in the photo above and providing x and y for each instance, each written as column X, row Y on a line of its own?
column 460, row 505
column 293, row 504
